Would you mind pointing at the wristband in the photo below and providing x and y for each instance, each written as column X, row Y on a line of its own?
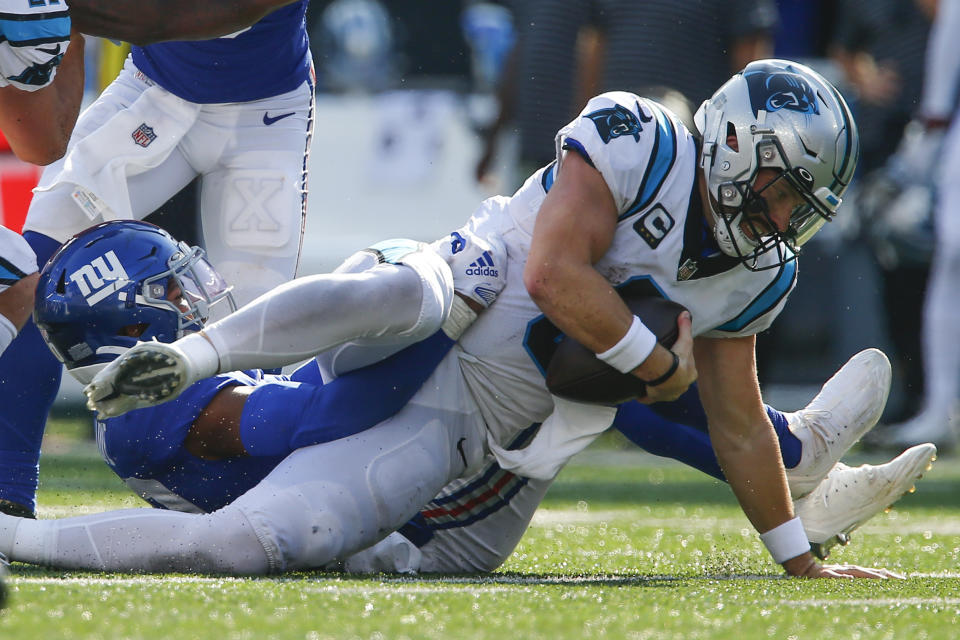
column 672, row 370
column 632, row 349
column 785, row 541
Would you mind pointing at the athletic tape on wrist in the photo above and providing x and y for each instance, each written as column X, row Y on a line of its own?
column 7, row 332
column 785, row 541
column 202, row 355
column 460, row 318
column 632, row 349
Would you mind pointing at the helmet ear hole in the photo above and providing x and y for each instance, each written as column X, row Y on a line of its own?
column 62, row 283
column 133, row 330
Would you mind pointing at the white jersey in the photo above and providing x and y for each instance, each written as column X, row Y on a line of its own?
column 648, row 160
column 33, row 38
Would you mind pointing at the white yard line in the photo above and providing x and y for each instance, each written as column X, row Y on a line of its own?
column 488, row 583
column 882, row 523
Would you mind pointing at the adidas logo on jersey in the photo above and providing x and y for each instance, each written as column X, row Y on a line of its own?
column 483, row 266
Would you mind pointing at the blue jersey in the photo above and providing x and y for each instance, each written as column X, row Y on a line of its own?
column 265, row 60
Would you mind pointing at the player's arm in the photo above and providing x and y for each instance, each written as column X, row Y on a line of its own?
column 747, row 449
column 144, row 21
column 276, row 418
column 574, row 229
column 38, row 123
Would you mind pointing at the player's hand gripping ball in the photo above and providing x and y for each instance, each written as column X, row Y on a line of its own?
column 577, row 374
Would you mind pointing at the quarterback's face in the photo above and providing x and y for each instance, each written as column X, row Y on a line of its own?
column 771, row 205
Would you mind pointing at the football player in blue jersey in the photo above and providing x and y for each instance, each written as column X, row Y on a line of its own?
column 714, row 225
column 224, row 434
column 227, row 432
column 235, row 111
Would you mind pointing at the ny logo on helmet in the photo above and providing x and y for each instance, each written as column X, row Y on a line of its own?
column 100, row 278
column 773, row 89
column 618, row 121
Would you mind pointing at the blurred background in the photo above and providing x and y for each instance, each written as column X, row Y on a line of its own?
column 424, row 109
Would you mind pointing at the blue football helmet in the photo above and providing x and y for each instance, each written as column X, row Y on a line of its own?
column 780, row 115
column 118, row 283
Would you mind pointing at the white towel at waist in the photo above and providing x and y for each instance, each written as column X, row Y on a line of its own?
column 131, row 142
column 566, row 432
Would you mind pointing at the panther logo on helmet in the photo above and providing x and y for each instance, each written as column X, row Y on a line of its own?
column 772, row 89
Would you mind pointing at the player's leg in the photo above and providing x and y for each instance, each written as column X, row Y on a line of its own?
column 811, row 440
column 253, row 193
column 472, row 525
column 320, row 503
column 358, row 489
column 472, row 538
column 138, row 540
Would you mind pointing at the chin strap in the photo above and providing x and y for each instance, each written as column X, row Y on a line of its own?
column 731, row 239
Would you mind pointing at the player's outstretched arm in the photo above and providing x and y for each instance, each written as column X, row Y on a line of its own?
column 145, row 21
column 747, row 450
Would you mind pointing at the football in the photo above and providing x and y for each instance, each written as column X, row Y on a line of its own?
column 574, row 372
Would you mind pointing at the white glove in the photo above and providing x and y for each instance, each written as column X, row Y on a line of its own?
column 148, row 374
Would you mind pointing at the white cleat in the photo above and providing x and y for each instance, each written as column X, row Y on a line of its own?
column 148, row 374
column 848, row 405
column 849, row 496
column 479, row 264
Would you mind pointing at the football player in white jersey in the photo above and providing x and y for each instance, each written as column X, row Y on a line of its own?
column 41, row 78
column 633, row 197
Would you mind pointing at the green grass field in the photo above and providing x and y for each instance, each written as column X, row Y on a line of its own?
column 625, row 546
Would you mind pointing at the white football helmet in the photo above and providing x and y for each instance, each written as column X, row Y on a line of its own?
column 785, row 116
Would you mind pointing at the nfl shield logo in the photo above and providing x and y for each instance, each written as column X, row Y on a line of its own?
column 144, row 135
